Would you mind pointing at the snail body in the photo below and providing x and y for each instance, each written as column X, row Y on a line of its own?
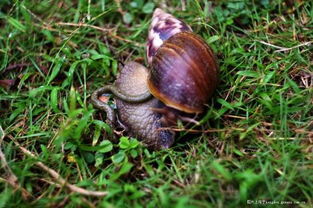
column 139, row 118
column 182, row 77
column 184, row 70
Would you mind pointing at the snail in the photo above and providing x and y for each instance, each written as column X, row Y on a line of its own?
column 182, row 77
column 139, row 119
column 184, row 70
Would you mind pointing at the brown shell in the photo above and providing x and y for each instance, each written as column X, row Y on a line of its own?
column 184, row 73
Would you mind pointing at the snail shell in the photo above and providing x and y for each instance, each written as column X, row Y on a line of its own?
column 163, row 26
column 140, row 119
column 184, row 70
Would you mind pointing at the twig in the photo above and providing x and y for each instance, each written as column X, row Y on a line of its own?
column 297, row 46
column 274, row 46
column 199, row 131
column 234, row 116
column 11, row 179
column 83, row 25
column 56, row 176
column 280, row 49
column 107, row 31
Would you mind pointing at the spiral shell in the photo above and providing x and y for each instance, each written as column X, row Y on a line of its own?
column 163, row 26
column 184, row 70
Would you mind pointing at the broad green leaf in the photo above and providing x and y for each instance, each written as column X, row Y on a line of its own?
column 89, row 157
column 148, row 8
column 124, row 143
column 106, row 146
column 128, row 18
column 136, row 3
column 133, row 143
column 118, row 157
column 134, row 153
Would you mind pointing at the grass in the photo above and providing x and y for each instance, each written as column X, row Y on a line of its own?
column 254, row 147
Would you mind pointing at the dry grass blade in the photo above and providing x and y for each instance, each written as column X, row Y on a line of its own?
column 199, row 131
column 281, row 49
column 83, row 25
column 56, row 176
column 108, row 32
column 11, row 178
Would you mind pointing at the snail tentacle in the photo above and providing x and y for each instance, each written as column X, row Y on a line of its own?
column 111, row 118
column 112, row 89
column 129, row 98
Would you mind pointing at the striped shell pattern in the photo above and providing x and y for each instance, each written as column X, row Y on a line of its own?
column 163, row 26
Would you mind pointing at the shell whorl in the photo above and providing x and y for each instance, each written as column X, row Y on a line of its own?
column 163, row 26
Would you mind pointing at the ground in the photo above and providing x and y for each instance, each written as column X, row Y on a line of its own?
column 255, row 143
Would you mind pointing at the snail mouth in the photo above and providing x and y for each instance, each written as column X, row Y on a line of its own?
column 166, row 146
column 167, row 139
